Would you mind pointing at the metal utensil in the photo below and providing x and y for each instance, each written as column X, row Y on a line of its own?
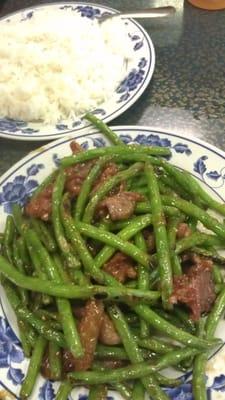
column 156, row 12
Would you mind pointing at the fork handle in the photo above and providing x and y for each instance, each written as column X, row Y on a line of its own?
column 157, row 12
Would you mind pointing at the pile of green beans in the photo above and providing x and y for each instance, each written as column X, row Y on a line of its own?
column 49, row 269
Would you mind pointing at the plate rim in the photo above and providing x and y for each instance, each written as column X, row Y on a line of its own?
column 138, row 128
column 122, row 108
column 117, row 128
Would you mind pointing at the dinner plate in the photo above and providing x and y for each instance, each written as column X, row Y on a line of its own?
column 138, row 74
column 202, row 160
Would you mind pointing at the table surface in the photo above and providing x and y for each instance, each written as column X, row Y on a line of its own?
column 187, row 92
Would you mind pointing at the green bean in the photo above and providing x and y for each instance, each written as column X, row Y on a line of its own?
column 165, row 381
column 216, row 257
column 188, row 183
column 194, row 211
column 200, row 361
column 173, row 185
column 31, row 336
column 63, row 305
column 172, row 331
column 19, row 265
column 44, row 234
column 19, row 220
column 1, row 238
column 80, row 246
column 155, row 345
column 41, row 326
column 80, row 278
column 215, row 315
column 53, row 324
column 145, row 207
column 69, row 328
column 28, row 236
column 106, row 187
column 55, row 362
column 23, row 252
column 62, row 272
column 133, row 351
column 183, row 316
column 115, row 241
column 143, row 280
column 136, row 225
column 58, row 228
column 170, row 317
column 23, row 338
column 162, row 246
column 134, row 371
column 217, row 275
column 8, row 237
column 196, row 239
column 131, row 150
column 172, row 233
column 198, row 380
column 70, row 291
column 33, row 369
column 64, row 391
column 98, row 392
column 87, row 186
column 110, row 352
column 219, row 287
column 117, row 353
column 24, row 329
column 138, row 391
column 124, row 390
column 103, row 128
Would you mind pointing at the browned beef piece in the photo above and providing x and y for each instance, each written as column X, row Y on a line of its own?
column 75, row 147
column 41, row 205
column 121, row 205
column 108, row 334
column 121, row 267
column 195, row 288
column 183, row 230
column 89, row 329
column 76, row 175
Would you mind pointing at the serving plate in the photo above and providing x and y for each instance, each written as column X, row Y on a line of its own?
column 139, row 71
column 202, row 160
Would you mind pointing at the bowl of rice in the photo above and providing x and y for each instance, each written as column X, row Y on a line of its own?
column 58, row 63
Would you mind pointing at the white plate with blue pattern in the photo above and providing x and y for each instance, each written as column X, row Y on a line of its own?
column 139, row 71
column 202, row 160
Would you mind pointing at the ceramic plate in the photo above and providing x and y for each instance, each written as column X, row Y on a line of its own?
column 138, row 74
column 203, row 161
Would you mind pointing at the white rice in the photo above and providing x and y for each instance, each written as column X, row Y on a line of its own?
column 58, row 65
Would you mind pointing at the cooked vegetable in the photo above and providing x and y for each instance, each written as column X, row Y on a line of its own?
column 109, row 275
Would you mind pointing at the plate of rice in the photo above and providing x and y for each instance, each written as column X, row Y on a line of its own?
column 58, row 63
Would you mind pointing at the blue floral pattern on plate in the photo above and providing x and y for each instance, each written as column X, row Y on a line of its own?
column 20, row 188
column 10, row 352
column 218, row 176
column 139, row 73
column 19, row 183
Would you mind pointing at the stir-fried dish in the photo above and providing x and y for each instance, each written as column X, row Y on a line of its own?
column 110, row 275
